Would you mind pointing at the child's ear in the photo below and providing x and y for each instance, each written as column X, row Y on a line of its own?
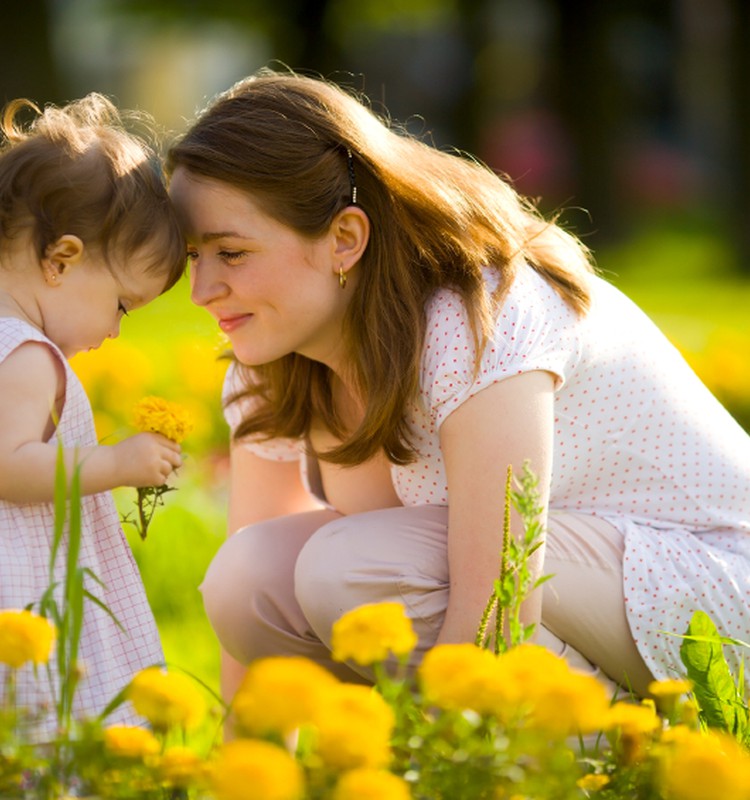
column 60, row 256
column 351, row 233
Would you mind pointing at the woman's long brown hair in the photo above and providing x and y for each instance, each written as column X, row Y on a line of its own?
column 437, row 219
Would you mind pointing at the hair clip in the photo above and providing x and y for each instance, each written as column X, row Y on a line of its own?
column 352, row 182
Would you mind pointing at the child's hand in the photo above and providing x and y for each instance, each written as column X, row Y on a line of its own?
column 146, row 459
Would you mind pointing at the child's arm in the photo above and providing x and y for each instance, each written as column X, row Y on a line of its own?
column 31, row 378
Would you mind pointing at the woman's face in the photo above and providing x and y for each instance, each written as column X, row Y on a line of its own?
column 272, row 291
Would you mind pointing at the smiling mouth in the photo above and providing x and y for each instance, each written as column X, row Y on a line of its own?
column 228, row 324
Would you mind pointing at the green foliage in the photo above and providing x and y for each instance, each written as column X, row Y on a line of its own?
column 516, row 581
column 719, row 696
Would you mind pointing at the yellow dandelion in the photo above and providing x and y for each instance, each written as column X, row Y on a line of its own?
column 372, row 632
column 279, row 693
column 166, row 699
column 254, row 770
column 25, row 637
column 371, row 784
column 162, row 416
column 354, row 727
column 130, row 741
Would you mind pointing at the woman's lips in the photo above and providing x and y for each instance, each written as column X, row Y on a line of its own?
column 228, row 324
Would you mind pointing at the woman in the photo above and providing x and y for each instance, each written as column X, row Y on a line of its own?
column 404, row 327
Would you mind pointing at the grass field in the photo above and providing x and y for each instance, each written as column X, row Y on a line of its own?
column 682, row 279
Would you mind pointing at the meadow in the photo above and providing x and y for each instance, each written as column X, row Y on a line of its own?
column 681, row 275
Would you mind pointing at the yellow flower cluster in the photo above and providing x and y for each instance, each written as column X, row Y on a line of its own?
column 694, row 765
column 278, row 694
column 527, row 684
column 162, row 416
column 370, row 633
column 25, row 637
column 166, row 699
column 371, row 784
column 255, row 770
column 130, row 741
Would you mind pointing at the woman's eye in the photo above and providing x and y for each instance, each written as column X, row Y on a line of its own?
column 192, row 255
column 121, row 309
column 231, row 256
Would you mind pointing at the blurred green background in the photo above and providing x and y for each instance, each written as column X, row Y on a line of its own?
column 630, row 118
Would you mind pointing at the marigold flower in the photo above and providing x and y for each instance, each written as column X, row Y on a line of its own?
column 462, row 676
column 698, row 765
column 371, row 784
column 354, row 727
column 166, row 699
column 24, row 637
column 631, row 718
column 179, row 766
column 162, row 416
column 592, row 783
column 372, row 632
column 130, row 741
column 246, row 769
column 279, row 693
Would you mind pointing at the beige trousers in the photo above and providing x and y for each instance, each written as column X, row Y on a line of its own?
column 277, row 587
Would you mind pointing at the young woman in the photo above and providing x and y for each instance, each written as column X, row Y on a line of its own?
column 404, row 327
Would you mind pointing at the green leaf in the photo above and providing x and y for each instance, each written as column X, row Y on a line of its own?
column 714, row 688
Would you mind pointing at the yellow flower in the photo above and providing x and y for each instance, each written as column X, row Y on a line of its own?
column 354, row 727
column 632, row 719
column 372, row 632
column 567, row 704
column 697, row 765
column 668, row 692
column 462, row 676
column 162, row 416
column 371, row 784
column 130, row 741
column 166, row 699
column 24, row 637
column 279, row 693
column 245, row 769
column 592, row 783
column 179, row 766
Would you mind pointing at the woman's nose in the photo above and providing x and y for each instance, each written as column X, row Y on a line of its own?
column 205, row 284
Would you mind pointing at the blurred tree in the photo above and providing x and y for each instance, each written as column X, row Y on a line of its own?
column 27, row 66
column 296, row 29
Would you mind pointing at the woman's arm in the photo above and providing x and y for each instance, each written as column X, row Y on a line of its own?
column 31, row 381
column 509, row 422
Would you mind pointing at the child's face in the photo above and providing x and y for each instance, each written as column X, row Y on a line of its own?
column 90, row 300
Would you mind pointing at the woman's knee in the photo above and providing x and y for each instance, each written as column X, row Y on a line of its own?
column 240, row 563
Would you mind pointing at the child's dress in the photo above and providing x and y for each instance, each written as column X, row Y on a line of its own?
column 109, row 655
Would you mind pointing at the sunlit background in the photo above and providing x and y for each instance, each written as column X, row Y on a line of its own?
column 630, row 118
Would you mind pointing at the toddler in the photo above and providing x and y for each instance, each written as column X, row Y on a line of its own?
column 87, row 235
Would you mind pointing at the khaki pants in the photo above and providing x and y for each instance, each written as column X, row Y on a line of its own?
column 277, row 587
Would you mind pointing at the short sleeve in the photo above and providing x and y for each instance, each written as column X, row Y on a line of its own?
column 279, row 449
column 534, row 329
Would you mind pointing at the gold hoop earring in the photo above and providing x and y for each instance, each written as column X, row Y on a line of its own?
column 342, row 278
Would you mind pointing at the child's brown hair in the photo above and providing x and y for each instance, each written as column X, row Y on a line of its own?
column 76, row 170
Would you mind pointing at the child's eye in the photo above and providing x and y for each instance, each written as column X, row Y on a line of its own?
column 192, row 255
column 121, row 309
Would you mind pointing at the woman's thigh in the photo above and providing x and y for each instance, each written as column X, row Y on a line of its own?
column 584, row 603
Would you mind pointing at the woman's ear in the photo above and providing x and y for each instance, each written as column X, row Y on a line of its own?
column 351, row 233
column 59, row 256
